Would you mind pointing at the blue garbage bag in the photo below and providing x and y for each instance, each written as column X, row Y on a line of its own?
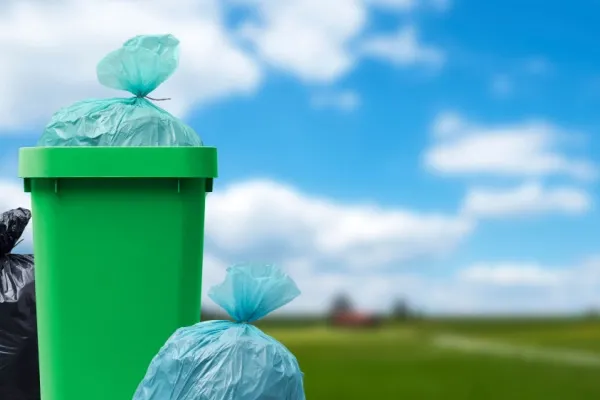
column 230, row 360
column 139, row 67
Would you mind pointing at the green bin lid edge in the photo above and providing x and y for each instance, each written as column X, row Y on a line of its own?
column 118, row 162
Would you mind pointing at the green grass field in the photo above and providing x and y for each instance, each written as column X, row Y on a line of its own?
column 491, row 360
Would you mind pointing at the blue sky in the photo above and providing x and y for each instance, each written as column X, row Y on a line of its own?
column 383, row 139
column 354, row 121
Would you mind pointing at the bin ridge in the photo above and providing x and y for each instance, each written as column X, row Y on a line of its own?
column 118, row 162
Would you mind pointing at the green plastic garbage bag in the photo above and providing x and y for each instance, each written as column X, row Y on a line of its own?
column 139, row 67
column 230, row 360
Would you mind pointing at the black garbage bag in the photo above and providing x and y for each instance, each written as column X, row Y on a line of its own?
column 19, row 365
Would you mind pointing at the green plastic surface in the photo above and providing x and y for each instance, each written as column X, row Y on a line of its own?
column 118, row 260
column 118, row 162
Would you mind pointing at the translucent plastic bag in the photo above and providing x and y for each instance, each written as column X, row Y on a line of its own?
column 225, row 360
column 139, row 67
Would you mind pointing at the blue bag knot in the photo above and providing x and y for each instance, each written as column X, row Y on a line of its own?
column 140, row 65
column 250, row 292
column 223, row 360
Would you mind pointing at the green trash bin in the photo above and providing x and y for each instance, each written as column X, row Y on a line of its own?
column 118, row 242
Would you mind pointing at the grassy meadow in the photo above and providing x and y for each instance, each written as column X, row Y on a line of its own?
column 454, row 359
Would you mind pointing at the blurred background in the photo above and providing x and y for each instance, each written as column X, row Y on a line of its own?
column 426, row 170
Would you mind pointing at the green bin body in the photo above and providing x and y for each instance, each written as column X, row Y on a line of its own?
column 118, row 243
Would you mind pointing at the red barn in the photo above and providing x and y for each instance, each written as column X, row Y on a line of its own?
column 355, row 320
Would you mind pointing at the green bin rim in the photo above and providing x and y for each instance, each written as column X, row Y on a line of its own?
column 118, row 162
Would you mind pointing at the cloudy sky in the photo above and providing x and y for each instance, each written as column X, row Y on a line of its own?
column 442, row 150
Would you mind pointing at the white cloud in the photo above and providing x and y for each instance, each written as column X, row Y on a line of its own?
column 497, row 287
column 403, row 48
column 409, row 5
column 315, row 240
column 12, row 195
column 525, row 287
column 585, row 274
column 51, row 48
column 526, row 199
column 308, row 38
column 525, row 149
column 399, row 5
column 491, row 287
column 512, row 274
column 347, row 100
column 50, row 51
column 314, row 39
column 264, row 217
